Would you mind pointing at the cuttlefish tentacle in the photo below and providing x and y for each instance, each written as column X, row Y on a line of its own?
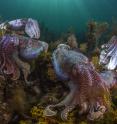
column 66, row 102
column 69, row 98
column 49, row 112
column 84, row 108
column 25, row 67
column 98, row 114
column 66, row 111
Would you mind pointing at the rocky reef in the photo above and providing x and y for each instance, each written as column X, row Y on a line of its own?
column 25, row 103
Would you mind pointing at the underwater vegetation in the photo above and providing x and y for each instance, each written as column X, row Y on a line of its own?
column 57, row 82
column 95, row 31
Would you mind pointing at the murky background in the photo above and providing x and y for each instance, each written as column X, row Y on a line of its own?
column 59, row 15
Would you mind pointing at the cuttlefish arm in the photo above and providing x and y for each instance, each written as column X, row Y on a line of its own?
column 25, row 67
column 66, row 102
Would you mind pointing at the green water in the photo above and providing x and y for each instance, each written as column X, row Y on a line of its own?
column 59, row 15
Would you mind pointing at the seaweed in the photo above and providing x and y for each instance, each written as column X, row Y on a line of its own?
column 95, row 31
